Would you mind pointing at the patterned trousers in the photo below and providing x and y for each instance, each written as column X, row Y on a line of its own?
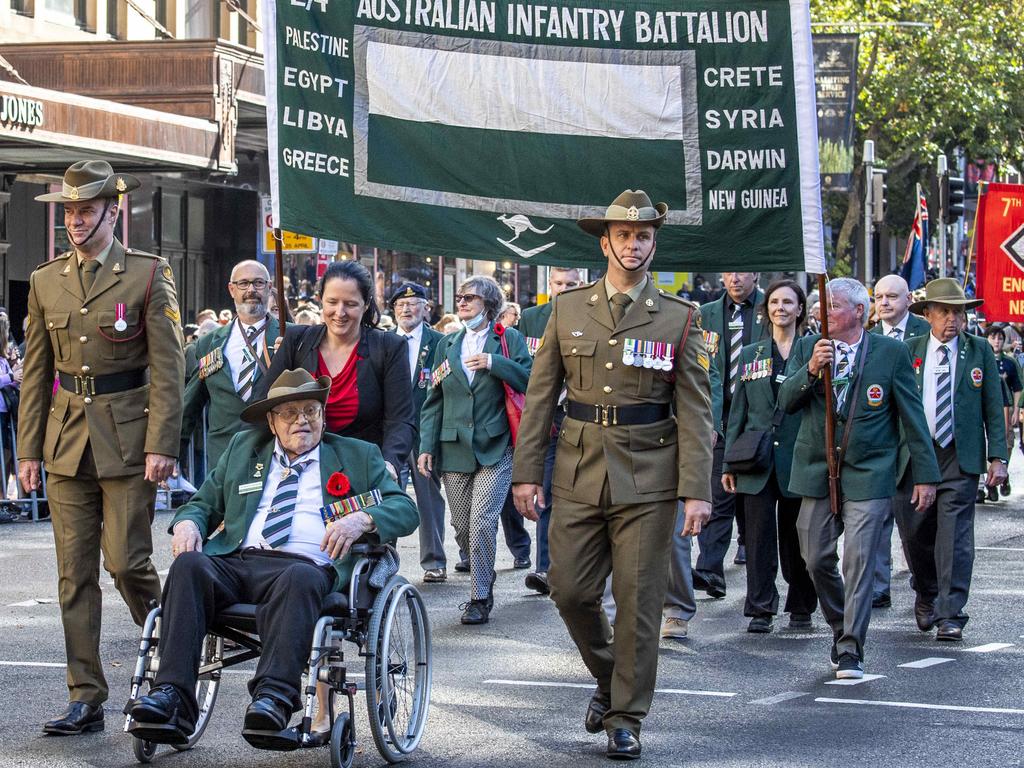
column 476, row 499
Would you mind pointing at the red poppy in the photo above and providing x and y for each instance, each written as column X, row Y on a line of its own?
column 499, row 329
column 917, row 363
column 338, row 484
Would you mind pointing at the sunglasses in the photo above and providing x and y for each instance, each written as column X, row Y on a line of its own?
column 468, row 298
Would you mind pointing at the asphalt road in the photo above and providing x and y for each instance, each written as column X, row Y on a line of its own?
column 513, row 692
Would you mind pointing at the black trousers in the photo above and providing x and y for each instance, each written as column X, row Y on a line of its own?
column 716, row 535
column 771, row 539
column 289, row 591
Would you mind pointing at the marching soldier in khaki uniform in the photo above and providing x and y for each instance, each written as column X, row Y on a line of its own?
column 636, row 438
column 103, row 320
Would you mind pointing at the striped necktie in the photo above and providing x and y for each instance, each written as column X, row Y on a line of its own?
column 247, row 377
column 896, row 333
column 842, row 383
column 278, row 526
column 735, row 345
column 944, row 401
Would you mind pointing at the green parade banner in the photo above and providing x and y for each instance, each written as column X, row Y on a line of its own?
column 484, row 128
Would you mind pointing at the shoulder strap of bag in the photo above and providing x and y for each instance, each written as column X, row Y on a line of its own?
column 856, row 398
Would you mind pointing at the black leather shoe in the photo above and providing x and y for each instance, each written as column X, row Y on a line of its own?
column 881, row 600
column 521, row 563
column 266, row 714
column 623, row 745
column 78, row 718
column 476, row 612
column 599, row 704
column 741, row 555
column 924, row 614
column 708, row 582
column 949, row 631
column 160, row 717
column 462, row 566
column 760, row 625
column 538, row 582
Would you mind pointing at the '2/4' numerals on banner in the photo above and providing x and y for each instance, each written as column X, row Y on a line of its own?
column 309, row 3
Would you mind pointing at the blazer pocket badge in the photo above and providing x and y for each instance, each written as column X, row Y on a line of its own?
column 875, row 395
column 977, row 377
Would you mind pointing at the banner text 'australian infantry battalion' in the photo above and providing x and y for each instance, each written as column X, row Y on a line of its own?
column 484, row 129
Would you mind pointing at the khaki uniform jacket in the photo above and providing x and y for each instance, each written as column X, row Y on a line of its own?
column 642, row 463
column 66, row 333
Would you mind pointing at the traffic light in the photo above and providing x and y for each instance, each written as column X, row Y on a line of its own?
column 954, row 199
column 878, row 198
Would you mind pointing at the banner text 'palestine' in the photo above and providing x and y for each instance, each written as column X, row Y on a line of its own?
column 485, row 128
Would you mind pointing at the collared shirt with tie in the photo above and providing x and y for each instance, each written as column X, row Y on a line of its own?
column 737, row 331
column 414, row 339
column 307, row 526
column 87, row 268
column 898, row 331
column 843, row 367
column 243, row 365
column 931, row 392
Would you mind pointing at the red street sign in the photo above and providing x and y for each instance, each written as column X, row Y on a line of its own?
column 1000, row 245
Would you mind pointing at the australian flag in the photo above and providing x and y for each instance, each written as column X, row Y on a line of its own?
column 915, row 260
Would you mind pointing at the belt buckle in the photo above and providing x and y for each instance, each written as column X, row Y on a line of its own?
column 609, row 415
column 85, row 385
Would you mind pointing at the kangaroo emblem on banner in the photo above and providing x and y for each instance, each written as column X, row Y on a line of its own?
column 520, row 224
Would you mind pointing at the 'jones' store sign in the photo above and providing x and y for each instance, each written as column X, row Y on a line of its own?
column 15, row 110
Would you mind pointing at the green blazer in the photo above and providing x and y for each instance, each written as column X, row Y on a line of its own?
column 916, row 326
column 217, row 390
column 977, row 408
column 463, row 426
column 713, row 318
column 224, row 515
column 428, row 342
column 753, row 407
column 869, row 467
column 534, row 320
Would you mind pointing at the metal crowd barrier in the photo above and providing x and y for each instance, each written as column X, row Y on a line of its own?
column 35, row 497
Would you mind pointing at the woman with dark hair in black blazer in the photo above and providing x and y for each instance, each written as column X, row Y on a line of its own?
column 371, row 390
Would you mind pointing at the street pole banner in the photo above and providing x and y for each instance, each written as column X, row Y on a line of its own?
column 484, row 128
column 835, row 80
column 1000, row 245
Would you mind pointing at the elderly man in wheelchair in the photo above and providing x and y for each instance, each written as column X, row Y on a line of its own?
column 261, row 551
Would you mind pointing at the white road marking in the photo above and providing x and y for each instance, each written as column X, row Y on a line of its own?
column 590, row 687
column 931, row 661
column 866, row 679
column 55, row 665
column 33, row 601
column 778, row 698
column 988, row 648
column 918, row 705
column 1001, row 549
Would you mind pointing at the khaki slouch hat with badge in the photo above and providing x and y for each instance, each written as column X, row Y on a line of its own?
column 91, row 180
column 632, row 207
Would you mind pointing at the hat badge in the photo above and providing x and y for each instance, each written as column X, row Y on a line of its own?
column 73, row 194
column 409, row 291
column 632, row 214
column 120, row 185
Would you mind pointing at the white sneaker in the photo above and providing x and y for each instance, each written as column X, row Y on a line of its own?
column 674, row 628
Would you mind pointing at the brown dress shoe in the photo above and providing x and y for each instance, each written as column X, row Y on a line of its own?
column 924, row 614
column 949, row 631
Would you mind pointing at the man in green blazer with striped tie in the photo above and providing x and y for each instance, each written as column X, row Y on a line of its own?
column 875, row 398
column 959, row 382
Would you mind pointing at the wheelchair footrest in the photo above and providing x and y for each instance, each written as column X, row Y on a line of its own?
column 158, row 733
column 280, row 741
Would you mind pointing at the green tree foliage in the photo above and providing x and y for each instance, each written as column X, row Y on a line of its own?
column 958, row 82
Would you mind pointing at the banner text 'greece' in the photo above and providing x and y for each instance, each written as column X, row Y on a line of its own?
column 485, row 128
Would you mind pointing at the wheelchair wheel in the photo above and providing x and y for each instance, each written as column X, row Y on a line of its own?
column 206, row 689
column 143, row 750
column 398, row 669
column 342, row 749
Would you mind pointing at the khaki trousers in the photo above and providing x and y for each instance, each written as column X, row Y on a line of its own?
column 90, row 515
column 633, row 543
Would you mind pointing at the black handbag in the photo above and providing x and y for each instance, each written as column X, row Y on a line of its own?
column 752, row 451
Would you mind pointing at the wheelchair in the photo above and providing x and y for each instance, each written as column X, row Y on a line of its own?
column 390, row 629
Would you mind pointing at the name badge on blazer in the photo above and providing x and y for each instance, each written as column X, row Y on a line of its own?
column 245, row 488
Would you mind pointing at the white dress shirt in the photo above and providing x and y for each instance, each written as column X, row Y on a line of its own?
column 851, row 356
column 415, row 339
column 473, row 344
column 308, row 527
column 929, row 390
column 234, row 350
column 902, row 325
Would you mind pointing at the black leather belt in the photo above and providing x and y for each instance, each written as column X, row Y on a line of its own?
column 618, row 415
column 104, row 385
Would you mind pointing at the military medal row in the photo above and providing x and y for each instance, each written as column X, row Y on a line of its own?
column 641, row 353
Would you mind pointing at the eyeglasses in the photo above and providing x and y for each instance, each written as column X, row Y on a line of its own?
column 245, row 285
column 291, row 415
column 468, row 298
column 409, row 304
